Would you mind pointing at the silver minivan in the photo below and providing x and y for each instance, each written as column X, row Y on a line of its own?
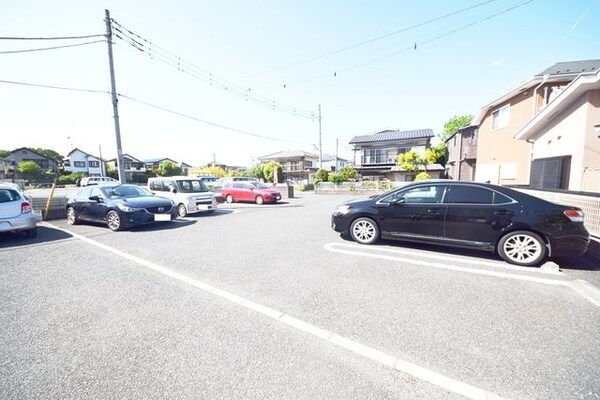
column 189, row 194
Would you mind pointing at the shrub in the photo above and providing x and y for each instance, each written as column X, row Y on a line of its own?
column 422, row 176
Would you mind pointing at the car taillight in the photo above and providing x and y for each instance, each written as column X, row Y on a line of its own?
column 574, row 215
column 25, row 207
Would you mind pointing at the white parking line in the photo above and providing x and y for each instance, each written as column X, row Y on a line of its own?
column 447, row 383
column 583, row 288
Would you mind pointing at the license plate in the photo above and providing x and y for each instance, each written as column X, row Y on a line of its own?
column 162, row 217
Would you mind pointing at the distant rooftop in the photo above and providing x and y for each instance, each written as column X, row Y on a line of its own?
column 288, row 154
column 389, row 135
column 572, row 67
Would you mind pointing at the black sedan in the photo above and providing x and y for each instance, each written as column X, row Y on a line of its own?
column 118, row 206
column 522, row 229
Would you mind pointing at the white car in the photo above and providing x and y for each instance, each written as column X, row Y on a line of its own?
column 16, row 211
column 189, row 194
column 97, row 180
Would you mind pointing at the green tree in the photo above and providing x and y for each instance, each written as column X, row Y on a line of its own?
column 409, row 161
column 270, row 169
column 5, row 153
column 29, row 168
column 454, row 124
column 257, row 171
column 209, row 170
column 48, row 153
column 349, row 174
column 168, row 168
column 321, row 176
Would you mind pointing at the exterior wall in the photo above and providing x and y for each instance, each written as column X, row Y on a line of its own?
column 564, row 137
column 501, row 159
column 22, row 154
column 393, row 149
column 462, row 153
column 591, row 152
column 79, row 156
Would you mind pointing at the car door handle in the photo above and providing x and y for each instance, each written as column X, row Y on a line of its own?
column 433, row 211
column 500, row 212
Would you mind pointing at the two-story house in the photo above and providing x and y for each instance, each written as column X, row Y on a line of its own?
column 5, row 168
column 80, row 161
column 501, row 158
column 331, row 163
column 154, row 163
column 375, row 155
column 462, row 154
column 131, row 166
column 297, row 165
column 24, row 154
column 565, row 139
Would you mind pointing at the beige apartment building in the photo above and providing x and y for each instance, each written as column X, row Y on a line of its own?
column 501, row 158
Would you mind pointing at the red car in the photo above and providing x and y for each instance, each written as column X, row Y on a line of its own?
column 255, row 192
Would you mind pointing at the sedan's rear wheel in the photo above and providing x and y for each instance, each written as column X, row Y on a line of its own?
column 259, row 200
column 113, row 220
column 72, row 218
column 522, row 248
column 364, row 231
column 181, row 211
column 229, row 198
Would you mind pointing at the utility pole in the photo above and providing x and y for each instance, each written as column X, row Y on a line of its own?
column 102, row 172
column 336, row 155
column 113, row 90
column 320, row 142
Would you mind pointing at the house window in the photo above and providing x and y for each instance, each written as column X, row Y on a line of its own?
column 295, row 166
column 308, row 163
column 501, row 117
column 79, row 164
column 94, row 164
column 375, row 156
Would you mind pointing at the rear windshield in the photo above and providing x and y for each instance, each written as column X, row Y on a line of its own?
column 7, row 195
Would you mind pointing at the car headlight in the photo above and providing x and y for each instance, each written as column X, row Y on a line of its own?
column 126, row 208
column 343, row 209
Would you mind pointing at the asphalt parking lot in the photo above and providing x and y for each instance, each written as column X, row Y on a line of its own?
column 268, row 302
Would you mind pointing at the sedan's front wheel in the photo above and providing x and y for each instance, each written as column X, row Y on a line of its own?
column 72, row 218
column 364, row 231
column 181, row 210
column 113, row 220
column 522, row 248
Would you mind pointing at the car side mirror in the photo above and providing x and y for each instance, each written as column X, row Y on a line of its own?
column 97, row 199
column 172, row 189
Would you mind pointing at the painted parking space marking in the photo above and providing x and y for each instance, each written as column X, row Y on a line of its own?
column 583, row 288
column 442, row 381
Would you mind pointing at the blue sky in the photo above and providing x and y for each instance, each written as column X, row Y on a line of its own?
column 276, row 51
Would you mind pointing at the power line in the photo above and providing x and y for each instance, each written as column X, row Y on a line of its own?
column 50, row 48
column 50, row 38
column 180, row 114
column 207, row 122
column 415, row 45
column 157, row 53
column 370, row 40
column 53, row 87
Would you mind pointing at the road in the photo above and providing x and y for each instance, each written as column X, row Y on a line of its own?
column 268, row 302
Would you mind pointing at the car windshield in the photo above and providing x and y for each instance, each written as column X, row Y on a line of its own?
column 116, row 192
column 191, row 186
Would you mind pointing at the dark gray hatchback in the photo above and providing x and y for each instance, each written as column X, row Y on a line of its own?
column 520, row 228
